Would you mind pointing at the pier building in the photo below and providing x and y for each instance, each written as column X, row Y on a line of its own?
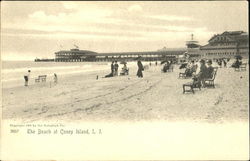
column 76, row 55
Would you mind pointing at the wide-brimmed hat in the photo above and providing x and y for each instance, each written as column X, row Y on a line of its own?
column 209, row 61
column 202, row 61
column 138, row 58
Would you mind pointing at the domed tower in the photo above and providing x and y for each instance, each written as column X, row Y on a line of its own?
column 193, row 48
column 192, row 43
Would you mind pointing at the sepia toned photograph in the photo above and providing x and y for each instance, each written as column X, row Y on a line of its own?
column 166, row 74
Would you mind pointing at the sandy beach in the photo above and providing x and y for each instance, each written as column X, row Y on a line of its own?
column 157, row 96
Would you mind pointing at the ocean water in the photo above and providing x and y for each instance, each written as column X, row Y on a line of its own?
column 12, row 72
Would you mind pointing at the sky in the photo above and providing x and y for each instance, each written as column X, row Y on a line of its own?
column 40, row 28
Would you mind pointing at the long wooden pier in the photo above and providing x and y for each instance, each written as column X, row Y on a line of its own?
column 75, row 55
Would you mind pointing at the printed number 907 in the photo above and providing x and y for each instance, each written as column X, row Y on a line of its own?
column 14, row 131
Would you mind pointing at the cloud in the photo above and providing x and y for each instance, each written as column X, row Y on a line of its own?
column 171, row 18
column 74, row 21
column 123, row 23
column 135, row 8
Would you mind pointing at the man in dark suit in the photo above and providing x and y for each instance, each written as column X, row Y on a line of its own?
column 140, row 68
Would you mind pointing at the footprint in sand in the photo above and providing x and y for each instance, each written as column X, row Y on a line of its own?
column 28, row 110
column 63, row 93
column 44, row 110
column 243, row 110
column 218, row 100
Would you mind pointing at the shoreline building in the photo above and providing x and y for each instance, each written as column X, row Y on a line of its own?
column 226, row 45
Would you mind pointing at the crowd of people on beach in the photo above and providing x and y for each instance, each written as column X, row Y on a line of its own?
column 197, row 71
column 205, row 72
column 115, row 67
column 222, row 62
column 125, row 69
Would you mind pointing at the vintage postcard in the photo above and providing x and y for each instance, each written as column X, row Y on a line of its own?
column 124, row 80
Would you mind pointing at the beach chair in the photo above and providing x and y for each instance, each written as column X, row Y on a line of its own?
column 171, row 68
column 209, row 82
column 41, row 78
column 190, row 86
column 182, row 75
column 242, row 67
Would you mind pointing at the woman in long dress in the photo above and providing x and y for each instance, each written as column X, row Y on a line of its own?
column 140, row 69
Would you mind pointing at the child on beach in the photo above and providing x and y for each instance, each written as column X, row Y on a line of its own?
column 26, row 78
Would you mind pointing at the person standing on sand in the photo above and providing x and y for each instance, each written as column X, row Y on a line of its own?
column 112, row 71
column 26, row 78
column 116, row 68
column 225, row 63
column 140, row 69
column 112, row 68
column 55, row 78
